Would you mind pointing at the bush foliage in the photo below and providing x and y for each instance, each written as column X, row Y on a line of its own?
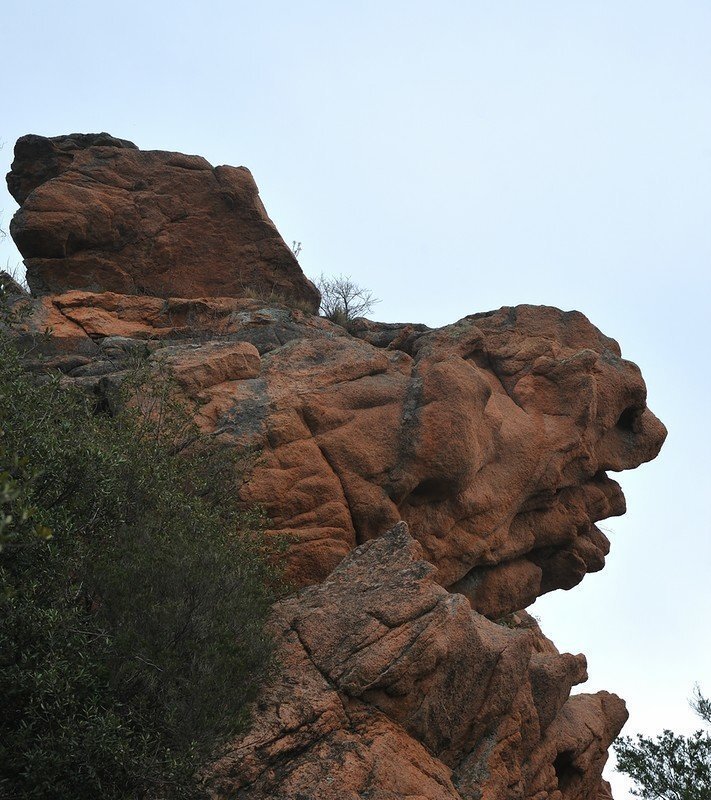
column 670, row 766
column 133, row 594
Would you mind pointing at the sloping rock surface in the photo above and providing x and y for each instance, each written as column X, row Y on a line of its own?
column 391, row 687
column 99, row 214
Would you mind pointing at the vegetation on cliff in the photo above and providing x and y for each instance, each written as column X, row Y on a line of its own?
column 670, row 766
column 133, row 594
column 342, row 300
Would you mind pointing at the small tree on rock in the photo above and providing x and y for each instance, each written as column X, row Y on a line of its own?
column 342, row 300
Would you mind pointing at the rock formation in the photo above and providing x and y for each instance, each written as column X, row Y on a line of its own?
column 409, row 665
column 392, row 688
column 97, row 213
column 490, row 437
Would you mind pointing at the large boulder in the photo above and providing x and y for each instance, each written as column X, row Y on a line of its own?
column 98, row 214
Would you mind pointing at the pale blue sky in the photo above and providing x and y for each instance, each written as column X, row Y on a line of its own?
column 456, row 157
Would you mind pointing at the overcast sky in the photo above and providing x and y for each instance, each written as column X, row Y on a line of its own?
column 455, row 157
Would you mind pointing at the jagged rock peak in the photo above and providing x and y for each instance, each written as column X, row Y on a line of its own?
column 98, row 214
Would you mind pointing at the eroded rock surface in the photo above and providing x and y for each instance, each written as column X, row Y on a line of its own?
column 99, row 214
column 409, row 669
column 491, row 437
column 391, row 687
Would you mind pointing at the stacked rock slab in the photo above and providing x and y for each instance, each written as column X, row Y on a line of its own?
column 98, row 213
column 409, row 668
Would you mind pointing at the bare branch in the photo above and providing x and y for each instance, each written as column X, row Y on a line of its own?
column 342, row 300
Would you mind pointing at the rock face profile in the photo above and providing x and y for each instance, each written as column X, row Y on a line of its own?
column 99, row 214
column 430, row 483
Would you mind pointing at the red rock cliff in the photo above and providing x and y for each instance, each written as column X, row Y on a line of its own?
column 410, row 668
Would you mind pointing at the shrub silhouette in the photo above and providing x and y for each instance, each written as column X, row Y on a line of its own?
column 342, row 300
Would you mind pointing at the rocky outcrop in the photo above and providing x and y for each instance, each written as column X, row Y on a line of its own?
column 99, row 214
column 391, row 687
column 491, row 437
column 10, row 286
column 409, row 667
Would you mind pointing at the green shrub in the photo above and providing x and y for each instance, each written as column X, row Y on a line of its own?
column 132, row 640
column 670, row 765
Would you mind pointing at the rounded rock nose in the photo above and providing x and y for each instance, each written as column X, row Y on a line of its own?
column 651, row 436
column 636, row 438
